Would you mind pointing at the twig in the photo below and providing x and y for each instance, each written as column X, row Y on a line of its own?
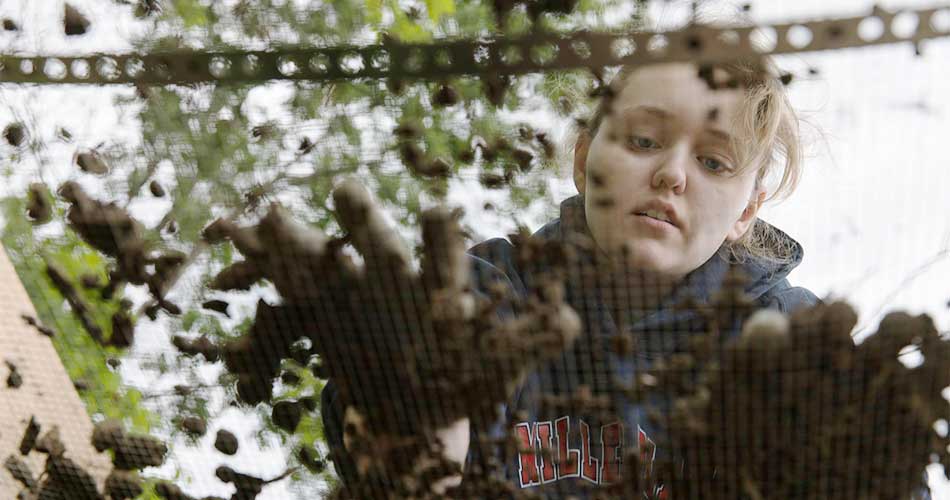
column 282, row 476
column 173, row 392
column 165, row 286
column 910, row 278
column 305, row 179
column 79, row 307
column 749, row 486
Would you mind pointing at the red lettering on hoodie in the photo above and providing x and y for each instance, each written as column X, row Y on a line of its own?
column 611, row 440
column 545, row 454
column 527, row 457
column 568, row 459
column 590, row 466
column 546, row 443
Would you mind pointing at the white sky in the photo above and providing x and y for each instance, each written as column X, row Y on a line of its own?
column 869, row 212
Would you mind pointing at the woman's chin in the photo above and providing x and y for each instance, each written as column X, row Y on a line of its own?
column 650, row 256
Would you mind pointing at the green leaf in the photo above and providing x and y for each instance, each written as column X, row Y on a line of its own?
column 374, row 11
column 191, row 12
column 439, row 8
column 189, row 319
column 227, row 256
column 407, row 30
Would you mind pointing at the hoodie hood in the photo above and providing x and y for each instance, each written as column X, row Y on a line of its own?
column 766, row 285
column 763, row 276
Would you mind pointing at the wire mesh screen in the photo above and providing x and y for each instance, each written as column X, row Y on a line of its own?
column 248, row 303
column 624, row 383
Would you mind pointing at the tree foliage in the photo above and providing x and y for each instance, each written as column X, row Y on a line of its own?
column 219, row 150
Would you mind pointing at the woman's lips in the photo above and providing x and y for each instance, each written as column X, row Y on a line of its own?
column 656, row 224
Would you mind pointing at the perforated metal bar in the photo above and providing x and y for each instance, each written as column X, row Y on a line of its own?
column 536, row 52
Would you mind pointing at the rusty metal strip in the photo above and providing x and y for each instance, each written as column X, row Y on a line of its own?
column 536, row 52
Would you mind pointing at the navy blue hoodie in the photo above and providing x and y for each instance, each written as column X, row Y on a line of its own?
column 587, row 449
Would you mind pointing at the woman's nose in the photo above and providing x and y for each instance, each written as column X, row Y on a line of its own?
column 671, row 170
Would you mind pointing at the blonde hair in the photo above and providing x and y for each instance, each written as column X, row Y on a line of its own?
column 768, row 139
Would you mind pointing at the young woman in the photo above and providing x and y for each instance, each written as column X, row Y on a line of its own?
column 671, row 172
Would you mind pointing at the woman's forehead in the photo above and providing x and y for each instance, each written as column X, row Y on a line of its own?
column 676, row 90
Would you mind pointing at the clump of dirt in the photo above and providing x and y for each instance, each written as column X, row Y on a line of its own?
column 226, row 442
column 195, row 426
column 50, row 443
column 156, row 189
column 310, row 458
column 64, row 478
column 287, row 414
column 39, row 206
column 123, row 485
column 216, row 305
column 201, row 345
column 28, row 441
column 74, row 22
column 20, row 471
column 14, row 378
column 14, row 134
column 130, row 451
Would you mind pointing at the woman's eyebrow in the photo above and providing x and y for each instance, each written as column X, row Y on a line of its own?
column 719, row 134
column 650, row 110
column 665, row 116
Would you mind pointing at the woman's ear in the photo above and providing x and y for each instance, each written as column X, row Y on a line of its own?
column 580, row 161
column 747, row 218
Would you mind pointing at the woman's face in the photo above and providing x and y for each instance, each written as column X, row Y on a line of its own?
column 664, row 152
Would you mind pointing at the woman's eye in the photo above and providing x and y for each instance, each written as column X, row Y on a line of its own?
column 643, row 142
column 713, row 164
